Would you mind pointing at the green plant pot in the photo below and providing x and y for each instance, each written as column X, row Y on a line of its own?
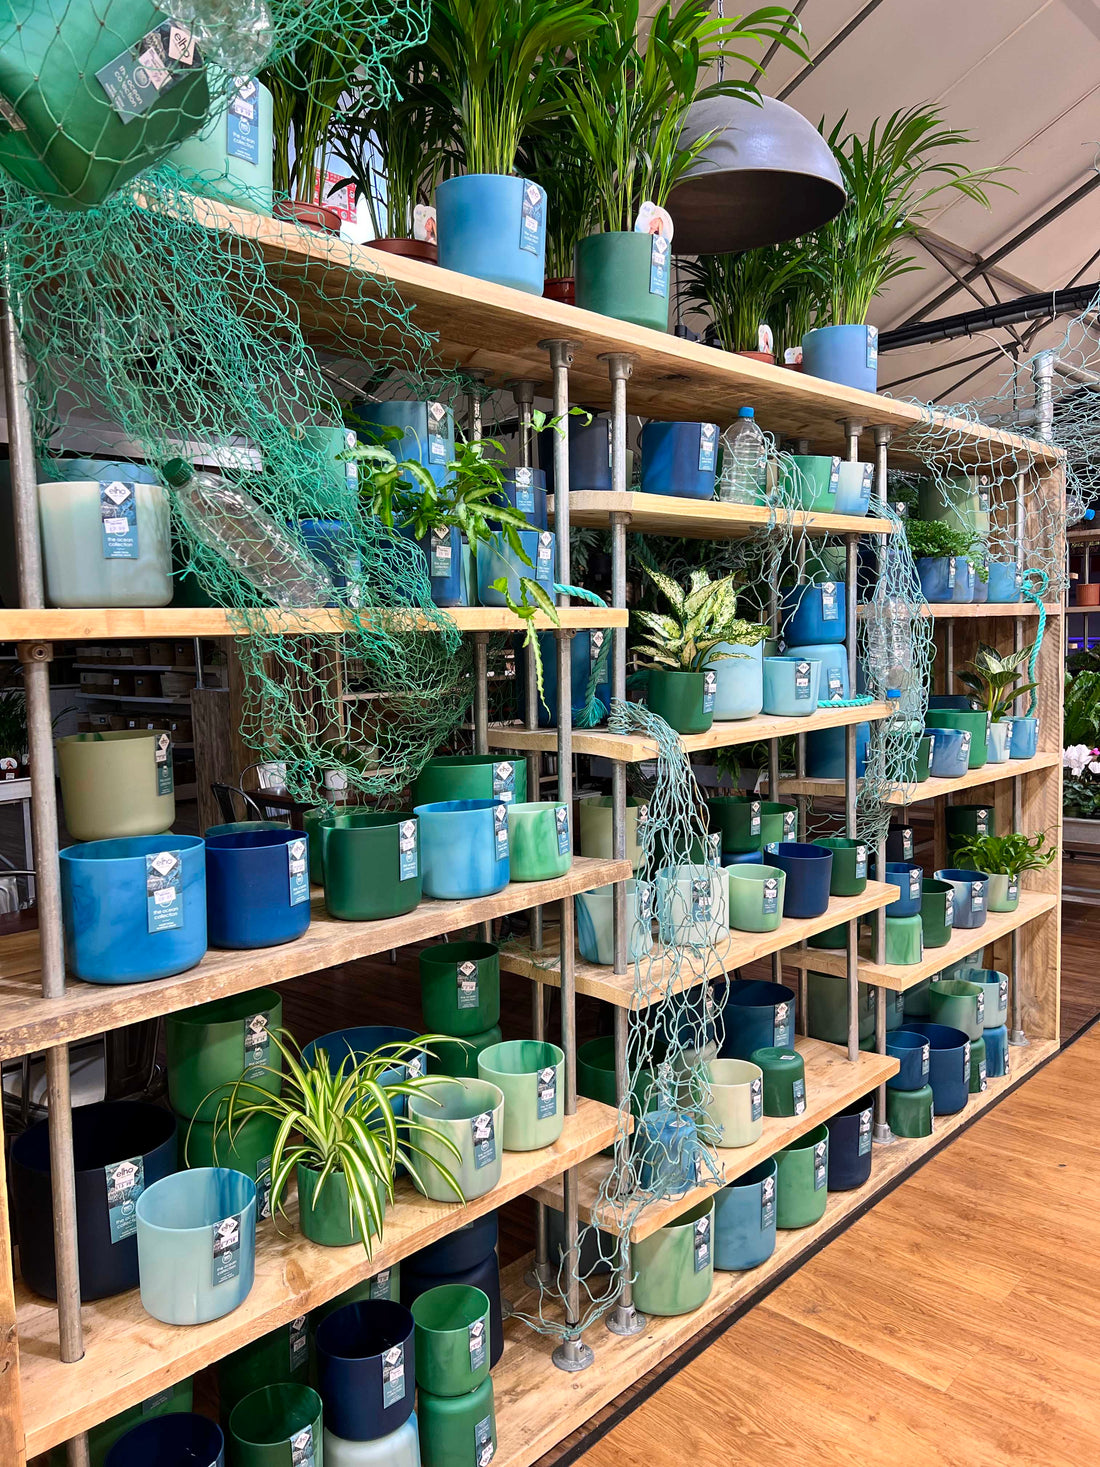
column 326, row 1219
column 1003, row 892
column 540, row 846
column 471, row 1114
column 904, row 938
column 811, row 480
column 530, row 1073
column 596, row 1077
column 994, row 986
column 458, row 1057
column 964, row 821
column 595, row 828
column 827, row 1008
column 677, row 697
column 616, row 277
column 113, row 785
column 802, row 1175
column 248, row 1150
column 978, row 1078
column 675, row 1265
column 832, row 939
column 740, row 822
column 849, row 865
column 370, row 864
column 207, row 1052
column 784, row 1072
column 967, row 722
column 311, row 824
column 924, row 757
column 280, row 1355
column 756, row 897
column 733, row 1101
column 460, row 987
column 275, row 1426
column 101, row 1438
column 451, row 1339
column 909, row 1112
column 961, row 501
column 456, row 1431
column 471, row 777
column 957, row 1004
column 937, row 905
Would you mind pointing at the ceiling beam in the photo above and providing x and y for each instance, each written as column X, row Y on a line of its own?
column 968, row 257
column 826, row 51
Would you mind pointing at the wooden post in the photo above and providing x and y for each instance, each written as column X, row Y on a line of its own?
column 11, row 1404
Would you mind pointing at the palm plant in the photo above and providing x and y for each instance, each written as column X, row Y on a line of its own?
column 991, row 678
column 701, row 618
column 552, row 158
column 745, row 290
column 1005, row 855
column 306, row 88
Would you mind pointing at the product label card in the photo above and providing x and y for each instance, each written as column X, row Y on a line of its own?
column 702, row 1244
column 257, row 1044
column 561, row 828
column 544, row 556
column 756, row 1098
column 242, row 135
column 790, row 824
column 393, row 1376
column 770, row 899
column 478, row 1344
column 263, row 1187
column 861, row 862
column 868, row 478
column 1017, row 577
column 821, row 1164
column 801, row 680
column 836, row 685
column 714, row 849
column 966, row 1058
column 1002, row 990
column 783, row 1025
column 906, row 843
column 297, row 856
column 798, row 1090
column 983, row 494
column 700, row 900
column 485, row 1446
column 641, row 818
column 118, row 520
column 830, row 611
column 754, row 818
column 137, row 77
column 1012, row 891
column 437, row 432
column 466, row 979
column 546, row 1093
column 708, row 446
column 644, row 893
column 441, row 551
column 483, row 1130
column 1006, row 1061
column 950, row 572
column 500, row 831
column 504, row 781
column 981, row 817
column 525, row 494
column 872, row 347
column 381, row 1285
column 299, row 1342
column 532, row 219
column 125, row 1184
column 710, row 689
column 302, row 1448
column 595, row 647
column 162, row 755
column 408, row 850
column 925, row 1060
column 153, row 1403
column 977, row 896
column 981, row 1009
column 415, row 1067
column 767, row 1204
column 865, row 1131
column 966, row 742
column 226, row 1249
column 164, row 891
column 949, row 908
column 916, row 879
column 834, row 474
column 983, row 1078
column 658, row 266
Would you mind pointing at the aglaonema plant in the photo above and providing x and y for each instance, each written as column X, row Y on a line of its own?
column 1005, row 855
column 701, row 618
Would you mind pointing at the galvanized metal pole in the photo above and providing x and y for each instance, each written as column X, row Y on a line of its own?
column 852, row 970
column 624, row 1319
column 851, row 776
column 561, row 359
column 1017, row 1036
column 773, row 767
column 882, row 1132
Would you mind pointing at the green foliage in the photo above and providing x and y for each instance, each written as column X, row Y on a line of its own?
column 702, row 617
column 1082, row 708
column 938, row 539
column 13, row 724
column 553, row 157
column 1005, row 855
column 306, row 88
column 1081, row 797
column 774, row 285
column 991, row 678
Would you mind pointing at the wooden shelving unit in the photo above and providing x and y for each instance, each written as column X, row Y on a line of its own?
column 931, row 789
column 708, row 519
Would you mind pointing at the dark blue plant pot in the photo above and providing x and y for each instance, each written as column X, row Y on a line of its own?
column 180, row 1439
column 496, row 559
column 1025, row 738
column 833, row 657
column 757, row 1015
column 853, row 491
column 909, row 879
column 483, row 230
column 427, row 431
column 826, row 751
column 744, row 1219
column 955, row 702
column 948, row 1065
column 844, row 354
column 950, row 753
column 1005, row 581
column 581, row 657
column 809, row 871
column 679, row 459
column 107, row 910
column 912, row 1053
column 350, row 1345
column 971, row 895
column 461, row 851
column 743, row 858
column 996, row 1054
column 484, row 1275
column 589, row 455
column 529, row 498
column 249, row 888
column 467, row 1247
column 899, row 843
column 332, row 543
column 850, row 1132
column 937, row 577
column 814, row 613
column 665, row 1145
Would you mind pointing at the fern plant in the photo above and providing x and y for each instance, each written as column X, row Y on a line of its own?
column 1005, row 855
column 991, row 678
column 701, row 618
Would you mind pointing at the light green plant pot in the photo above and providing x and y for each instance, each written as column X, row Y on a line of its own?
column 530, row 1074
column 802, row 1178
column 1003, row 892
column 756, row 897
column 904, row 938
column 994, row 985
column 540, row 845
column 111, row 784
column 675, row 1265
column 269, row 1427
column 733, row 1101
column 957, row 1004
column 326, row 1218
column 999, row 741
column 961, row 501
column 595, row 828
column 471, row 1114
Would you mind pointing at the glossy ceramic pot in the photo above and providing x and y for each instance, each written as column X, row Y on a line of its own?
column 739, row 679
column 732, row 1102
column 975, row 724
column 679, row 459
column 196, row 1239
column 756, row 1014
column 484, row 1276
column 809, row 871
column 596, row 925
column 937, row 911
column 209, row 1048
column 540, row 845
column 791, row 687
column 493, row 226
column 460, row 987
column 802, row 1180
column 470, row 1113
column 366, row 1369
column 675, row 1265
column 814, row 613
column 958, row 1005
column 272, row 1425
column 529, row 1073
column 949, row 1064
column 971, row 895
column 909, row 1113
column 463, row 848
column 594, row 817
column 850, row 1132
column 457, row 1431
column 452, row 1339
column 849, row 873
column 470, row 777
column 680, row 699
column 257, row 888
column 912, row 1053
column 756, row 895
column 784, row 1073
column 744, row 1219
column 180, row 1439
column 371, row 864
column 950, row 757
column 1025, row 738
column 116, row 783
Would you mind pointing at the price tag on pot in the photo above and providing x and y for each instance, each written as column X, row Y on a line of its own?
column 263, row 1187
column 504, row 781
column 477, row 1342
column 700, row 900
column 226, row 1249
column 770, row 898
column 925, row 1060
column 154, row 1403
column 467, row 996
column 981, row 817
column 821, row 1164
column 125, row 1184
column 710, row 689
column 1017, row 578
column 983, row 494
column 916, row 878
column 798, row 1091
column 257, row 1044
column 1002, row 990
column 441, row 551
column 836, row 685
column 381, row 1285
column 242, row 136
column 1006, row 1062
column 708, row 446
column 754, row 818
column 546, row 1093
column 135, row 79
column 641, row 818
column 868, row 479
column 544, row 555
column 351, row 473
column 299, row 1342
column 767, row 1204
column 756, row 1099
column 408, row 850
column 500, row 831
column 415, row 1067
column 906, row 842
column 298, row 869
column 783, row 1025
column 977, row 896
column 485, row 1446
column 861, row 862
column 950, row 572
column 164, row 891
column 872, row 347
column 437, row 433
column 483, row 1133
column 561, row 828
column 949, row 908
column 595, row 647
column 966, row 1058
column 1012, row 890
column 801, row 681
column 834, row 474
column 162, row 759
column 981, row 1009
column 393, row 1376
column 658, row 266
column 790, row 824
column 302, row 1449
column 701, row 1241
column 714, row 848
column 865, row 1131
column 830, row 611
column 525, row 494
column 966, row 742
column 645, row 901
column 532, row 219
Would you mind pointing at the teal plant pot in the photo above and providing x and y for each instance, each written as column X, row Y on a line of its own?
column 596, row 929
column 231, row 158
column 463, row 848
column 994, row 987
column 733, row 1102
column 996, row 1053
column 451, row 1339
column 471, row 777
column 595, row 836
column 847, row 355
column 196, row 1237
column 827, row 1008
column 460, row 987
column 744, row 1219
column 471, row 1114
column 274, row 1424
column 810, row 481
column 756, row 895
column 692, row 905
column 791, row 686
column 739, row 680
column 493, row 226
column 371, row 864
column 1005, row 582
column 1003, row 894
column 497, row 560
column 530, row 1074
column 426, row 436
column 833, row 656
column 784, row 1072
column 457, row 1431
column 957, row 1004
column 1025, row 738
column 679, row 698
column 620, row 274
column 540, row 845
column 802, row 1180
column 675, row 1265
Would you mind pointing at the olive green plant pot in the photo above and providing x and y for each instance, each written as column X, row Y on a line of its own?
column 207, row 1050
column 530, row 1073
column 784, row 1072
column 615, row 275
column 733, row 1102
column 111, row 784
column 595, row 828
column 909, row 1112
column 675, row 1265
column 1003, row 892
column 957, row 1004
column 460, row 987
column 849, row 876
column 677, row 697
column 802, row 1176
column 326, row 1218
column 455, row 1431
column 470, row 1113
column 540, row 845
column 451, row 1338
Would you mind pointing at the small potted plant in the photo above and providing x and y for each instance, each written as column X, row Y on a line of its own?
column 306, row 87
column 681, row 648
column 743, row 292
column 1004, row 859
column 991, row 677
column 552, row 158
column 942, row 555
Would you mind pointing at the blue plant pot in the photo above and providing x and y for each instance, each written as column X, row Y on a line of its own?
column 847, row 355
column 740, row 682
column 814, row 613
column 971, row 895
column 115, row 930
column 350, row 1344
column 826, row 751
column 582, row 654
column 744, row 1219
column 757, row 1014
column 833, row 657
column 1025, row 738
column 527, row 496
column 912, row 1054
column 853, row 492
column 809, row 871
column 665, row 1145
column 910, row 879
column 493, row 226
column 589, row 455
column 679, row 459
column 965, row 580
column 950, row 753
column 495, row 558
column 257, row 888
column 1005, row 581
column 462, row 853
column 332, row 543
column 180, row 1439
column 996, row 1051
column 850, row 1133
column 937, row 577
column 466, row 1247
column 427, row 431
column 979, row 589
column 791, row 686
column 948, row 1065
column 743, row 858
column 443, row 556
column 178, row 1221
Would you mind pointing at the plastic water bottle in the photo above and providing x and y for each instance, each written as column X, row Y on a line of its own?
column 745, row 467
column 235, row 34
column 890, row 646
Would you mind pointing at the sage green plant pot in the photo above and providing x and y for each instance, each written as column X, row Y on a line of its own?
column 530, row 1074
column 924, row 757
column 756, row 897
column 733, row 1101
column 802, row 1176
column 455, row 1431
column 675, row 1265
column 994, row 986
column 212, row 1046
column 471, row 1114
column 962, row 501
column 451, row 1339
column 1003, row 892
column 849, row 876
column 677, row 697
column 827, row 1009
column 616, row 277
column 978, row 1076
column 458, row 1057
column 966, row 722
column 594, row 815
column 904, row 938
column 957, row 1004
column 540, row 846
column 909, row 1112
column 326, row 1217
column 112, row 783
column 460, row 987
column 937, row 906
column 784, row 1072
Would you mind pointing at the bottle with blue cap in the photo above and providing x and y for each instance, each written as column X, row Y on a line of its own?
column 745, row 462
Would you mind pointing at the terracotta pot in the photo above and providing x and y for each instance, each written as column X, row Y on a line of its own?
column 411, row 249
column 1088, row 593
column 792, row 366
column 562, row 289
column 313, row 216
column 758, row 356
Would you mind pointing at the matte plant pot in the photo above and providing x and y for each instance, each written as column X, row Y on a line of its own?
column 529, row 1073
column 827, row 1009
column 679, row 698
column 960, row 501
column 524, row 490
column 996, row 1052
column 957, row 1004
column 212, row 1046
column 904, row 939
column 744, row 1219
column 971, row 895
column 941, row 577
column 756, row 896
column 366, row 1369
column 280, row 1355
column 949, row 1064
column 1025, row 738
column 463, row 848
column 925, row 745
column 975, row 724
column 452, row 1339
column 850, row 1145
column 827, row 749
column 937, row 911
column 739, row 681
column 540, row 845
column 180, row 1439
column 814, row 614
column 1005, row 582
column 457, row 1431
column 999, row 742
column 595, row 819
column 598, row 1249
column 675, row 1265
column 460, row 987
column 497, row 560
column 832, row 939
column 979, row 588
column 442, row 564
column 257, row 888
column 458, row 1057
column 248, row 1149
column 325, row 1217
column 847, row 355
column 196, row 1239
column 1004, row 892
column 175, row 1400
column 679, row 459
column 585, row 648
column 471, row 1113
column 909, row 1112
column 915, row 1001
column 757, row 1014
column 596, row 929
column 849, row 874
column 119, row 1148
column 311, row 820
column 371, row 864
column 912, row 1054
column 950, row 756
column 493, row 226
column 784, row 1073
column 124, row 922
column 665, row 1147
column 625, row 274
column 272, row 1425
column 465, row 1248
column 83, row 564
column 596, row 1077
column 909, row 880
column 978, row 1074
column 748, row 824
column 589, row 454
column 810, row 481
column 692, row 905
column 964, row 821
column 853, row 495
column 809, row 871
column 833, row 681
column 471, row 777
column 484, row 1276
column 410, row 249
column 899, row 844
column 240, row 827
column 116, row 783
column 791, row 687
column 966, row 580
column 427, row 431
column 802, row 1180
column 733, row 1102
column 401, row 1448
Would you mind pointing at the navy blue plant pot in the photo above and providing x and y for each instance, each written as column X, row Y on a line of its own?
column 833, row 657
column 664, row 1146
column 493, row 226
column 912, row 1054
column 679, row 459
column 744, row 1219
column 948, row 1065
column 826, row 751
column 939, row 575
column 352, row 1344
column 363, row 1040
column 847, row 355
column 496, row 560
column 484, row 1275
column 899, row 843
column 257, row 888
column 809, row 871
column 583, row 651
column 1005, row 581
column 757, row 1015
column 466, row 1247
column 180, row 1439
column 1025, row 738
column 462, row 853
column 850, row 1132
column 996, row 1053
column 971, row 895
column 528, row 496
column 814, row 613
column 910, row 880
column 589, row 455
column 427, row 431
column 950, row 753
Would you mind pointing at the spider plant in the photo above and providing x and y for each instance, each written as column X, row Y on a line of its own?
column 991, row 678
column 1005, row 855
column 746, row 290
column 701, row 617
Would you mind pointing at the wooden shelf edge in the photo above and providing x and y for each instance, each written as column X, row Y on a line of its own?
column 951, row 610
column 710, row 519
column 931, row 789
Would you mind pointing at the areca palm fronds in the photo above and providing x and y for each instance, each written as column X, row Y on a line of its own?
column 776, row 285
column 702, row 617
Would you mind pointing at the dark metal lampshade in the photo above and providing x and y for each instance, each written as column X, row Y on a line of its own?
column 767, row 175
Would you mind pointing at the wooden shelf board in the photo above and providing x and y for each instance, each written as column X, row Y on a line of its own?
column 708, row 519
column 30, row 1022
column 931, row 789
column 832, row 1082
column 660, row 981
column 634, row 748
column 963, row 942
column 535, row 1409
column 942, row 610
column 129, row 1356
